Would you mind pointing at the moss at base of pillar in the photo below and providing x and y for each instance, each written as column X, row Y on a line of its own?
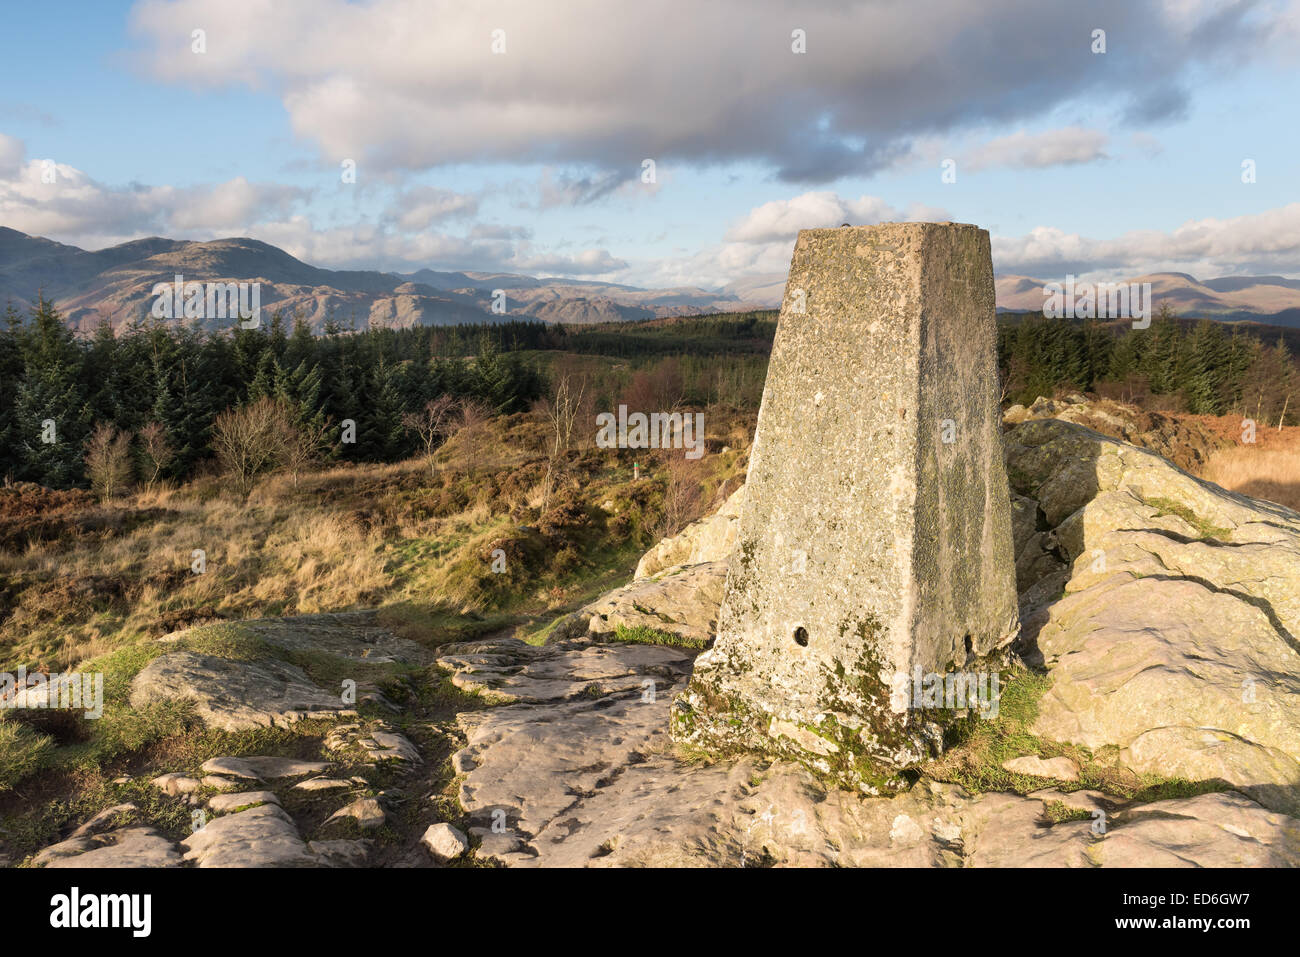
column 853, row 739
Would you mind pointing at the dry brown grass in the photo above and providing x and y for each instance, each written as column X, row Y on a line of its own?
column 1268, row 469
column 78, row 579
column 284, row 558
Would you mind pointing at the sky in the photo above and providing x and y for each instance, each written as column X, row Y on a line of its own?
column 672, row 143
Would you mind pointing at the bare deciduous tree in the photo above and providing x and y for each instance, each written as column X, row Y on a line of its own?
column 250, row 441
column 435, row 421
column 683, row 493
column 108, row 460
column 561, row 409
column 303, row 444
column 156, row 451
column 471, row 419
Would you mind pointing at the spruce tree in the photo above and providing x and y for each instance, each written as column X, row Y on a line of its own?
column 51, row 416
column 11, row 370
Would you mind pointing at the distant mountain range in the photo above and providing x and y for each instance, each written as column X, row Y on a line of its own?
column 116, row 285
column 1266, row 299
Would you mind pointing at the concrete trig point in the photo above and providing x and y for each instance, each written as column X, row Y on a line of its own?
column 876, row 535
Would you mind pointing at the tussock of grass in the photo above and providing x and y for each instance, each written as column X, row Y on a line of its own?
column 22, row 751
column 1058, row 812
column 645, row 635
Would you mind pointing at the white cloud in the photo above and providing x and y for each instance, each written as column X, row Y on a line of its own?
column 589, row 262
column 46, row 198
column 781, row 220
column 760, row 245
column 76, row 209
column 373, row 246
column 419, row 208
column 1063, row 147
column 230, row 205
column 1267, row 242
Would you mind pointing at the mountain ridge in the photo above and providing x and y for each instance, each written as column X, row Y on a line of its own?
column 115, row 285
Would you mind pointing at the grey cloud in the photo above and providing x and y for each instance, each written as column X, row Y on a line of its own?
column 681, row 81
column 568, row 189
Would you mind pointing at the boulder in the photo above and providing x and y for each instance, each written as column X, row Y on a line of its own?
column 176, row 783
column 1185, row 442
column 444, row 842
column 710, row 539
column 681, row 602
column 570, row 782
column 125, row 847
column 261, row 836
column 366, row 811
column 235, row 695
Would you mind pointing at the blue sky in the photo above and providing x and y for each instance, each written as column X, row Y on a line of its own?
column 529, row 160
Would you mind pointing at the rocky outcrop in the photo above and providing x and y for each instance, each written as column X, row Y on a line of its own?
column 593, row 781
column 246, row 810
column 1163, row 608
column 235, row 695
column 1184, row 442
column 1177, row 638
column 682, row 602
column 711, row 539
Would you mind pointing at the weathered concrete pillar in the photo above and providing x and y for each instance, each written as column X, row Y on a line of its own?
column 876, row 535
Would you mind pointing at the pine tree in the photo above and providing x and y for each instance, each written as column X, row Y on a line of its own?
column 11, row 370
column 270, row 378
column 51, row 417
column 380, row 434
column 1201, row 367
column 180, row 406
